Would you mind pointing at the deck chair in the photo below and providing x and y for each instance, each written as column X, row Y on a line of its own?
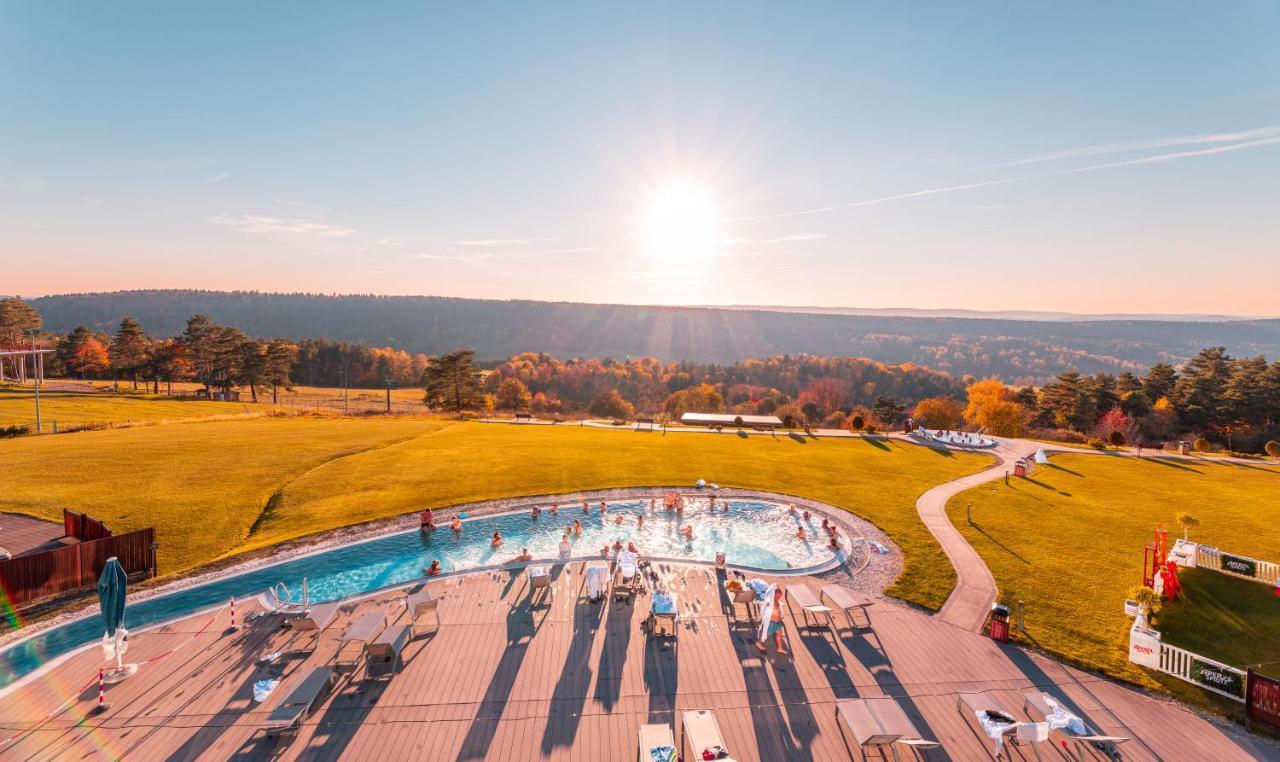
column 993, row 722
column 315, row 620
column 846, row 600
column 1041, row 707
column 879, row 722
column 356, row 640
column 382, row 656
column 626, row 577
column 662, row 624
column 597, row 576
column 539, row 579
column 288, row 715
column 701, row 733
column 420, row 604
column 803, row 597
column 657, row 744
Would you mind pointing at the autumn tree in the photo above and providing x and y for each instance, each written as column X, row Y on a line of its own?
column 829, row 394
column 702, row 398
column 17, row 320
column 939, row 413
column 89, row 358
column 129, row 349
column 992, row 408
column 512, row 394
column 452, row 382
column 610, row 404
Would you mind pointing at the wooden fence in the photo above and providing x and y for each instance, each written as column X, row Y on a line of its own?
column 1266, row 572
column 37, row 577
column 83, row 528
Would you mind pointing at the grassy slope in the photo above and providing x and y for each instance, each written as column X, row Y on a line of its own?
column 17, row 406
column 472, row 461
column 1232, row 620
column 201, row 484
column 1069, row 541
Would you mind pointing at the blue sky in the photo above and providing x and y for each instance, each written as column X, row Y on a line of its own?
column 1089, row 157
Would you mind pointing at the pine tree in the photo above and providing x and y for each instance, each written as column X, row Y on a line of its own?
column 1198, row 395
column 452, row 383
column 129, row 349
column 1159, row 381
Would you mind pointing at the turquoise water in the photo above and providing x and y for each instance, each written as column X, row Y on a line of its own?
column 751, row 533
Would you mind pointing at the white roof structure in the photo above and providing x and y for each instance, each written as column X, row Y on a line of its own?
column 729, row 419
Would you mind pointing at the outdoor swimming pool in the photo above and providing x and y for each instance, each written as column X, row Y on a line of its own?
column 753, row 533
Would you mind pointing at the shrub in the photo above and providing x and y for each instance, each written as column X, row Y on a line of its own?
column 1116, row 438
column 1201, row 445
column 1273, row 448
column 16, row 430
column 1069, row 436
column 858, row 423
column 871, row 429
column 1097, row 444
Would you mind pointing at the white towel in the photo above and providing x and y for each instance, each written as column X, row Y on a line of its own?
column 596, row 576
column 766, row 611
column 627, row 563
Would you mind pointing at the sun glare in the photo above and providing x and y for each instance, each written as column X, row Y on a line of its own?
column 681, row 224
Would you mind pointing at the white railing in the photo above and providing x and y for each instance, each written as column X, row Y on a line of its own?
column 1266, row 572
column 1202, row 671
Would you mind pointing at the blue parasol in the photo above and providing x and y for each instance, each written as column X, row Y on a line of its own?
column 111, row 592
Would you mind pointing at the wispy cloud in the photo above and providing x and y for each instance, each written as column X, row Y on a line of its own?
column 1156, row 159
column 217, row 178
column 252, row 223
column 1147, row 145
column 783, row 239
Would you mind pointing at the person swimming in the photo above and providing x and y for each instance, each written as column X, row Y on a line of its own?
column 525, row 555
column 800, row 533
column 555, row 508
column 428, row 521
column 577, row 527
column 604, row 507
column 805, row 515
column 687, row 531
column 586, row 507
column 497, row 540
column 535, row 512
column 618, row 519
column 631, row 546
column 456, row 525
column 640, row 520
column 565, row 546
column 791, row 509
column 617, row 545
column 434, row 568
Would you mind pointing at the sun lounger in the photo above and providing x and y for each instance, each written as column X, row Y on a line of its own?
column 539, row 579
column 995, row 723
column 289, row 714
column 626, row 577
column 420, row 604
column 804, row 598
column 846, row 600
column 315, row 620
column 1042, row 707
column 597, row 576
column 662, row 616
column 382, row 656
column 879, row 722
column 356, row 639
column 657, row 744
column 701, row 732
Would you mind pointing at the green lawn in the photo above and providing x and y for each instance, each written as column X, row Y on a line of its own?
column 202, row 485
column 1069, row 540
column 17, row 406
column 1232, row 620
column 208, row 486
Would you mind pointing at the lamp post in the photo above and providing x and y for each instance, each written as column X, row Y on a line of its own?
column 387, row 380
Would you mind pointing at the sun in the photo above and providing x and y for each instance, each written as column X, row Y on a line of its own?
column 681, row 224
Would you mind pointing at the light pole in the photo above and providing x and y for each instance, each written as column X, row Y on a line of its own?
column 37, row 365
column 387, row 381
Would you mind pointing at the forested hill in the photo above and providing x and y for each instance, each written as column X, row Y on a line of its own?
column 1019, row 351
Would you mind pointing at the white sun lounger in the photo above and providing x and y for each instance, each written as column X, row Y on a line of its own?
column 654, row 738
column 846, row 600
column 1042, row 707
column 420, row 604
column 879, row 722
column 539, row 579
column 597, row 576
column 803, row 597
column 701, row 731
column 315, row 620
column 626, row 577
column 289, row 713
column 356, row 640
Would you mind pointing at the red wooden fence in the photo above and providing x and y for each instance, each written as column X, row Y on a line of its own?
column 1262, row 701
column 29, row 579
column 83, row 528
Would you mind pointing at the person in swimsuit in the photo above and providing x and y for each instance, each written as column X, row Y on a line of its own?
column 434, row 568
column 456, row 525
column 775, row 624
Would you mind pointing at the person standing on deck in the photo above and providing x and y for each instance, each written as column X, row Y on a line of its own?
column 771, row 621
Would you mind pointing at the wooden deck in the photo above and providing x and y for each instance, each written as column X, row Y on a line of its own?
column 573, row 680
column 23, row 534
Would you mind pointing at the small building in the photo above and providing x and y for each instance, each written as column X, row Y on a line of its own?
column 729, row 419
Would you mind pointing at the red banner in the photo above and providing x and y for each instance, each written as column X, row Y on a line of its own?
column 1262, row 699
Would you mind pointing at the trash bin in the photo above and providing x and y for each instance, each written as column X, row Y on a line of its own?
column 1020, row 468
column 1000, row 622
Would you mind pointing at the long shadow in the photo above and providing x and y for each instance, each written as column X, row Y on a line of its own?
column 343, row 718
column 520, row 632
column 797, row 438
column 942, row 451
column 1064, row 469
column 570, row 692
column 1172, row 464
column 999, row 544
column 876, row 660
column 661, row 679
column 827, row 655
column 613, row 655
column 774, row 739
column 875, row 442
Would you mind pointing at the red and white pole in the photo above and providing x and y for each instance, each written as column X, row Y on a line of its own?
column 102, row 692
column 232, row 628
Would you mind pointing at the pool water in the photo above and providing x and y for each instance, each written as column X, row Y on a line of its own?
column 750, row 533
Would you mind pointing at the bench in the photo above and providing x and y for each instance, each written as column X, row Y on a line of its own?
column 382, row 656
